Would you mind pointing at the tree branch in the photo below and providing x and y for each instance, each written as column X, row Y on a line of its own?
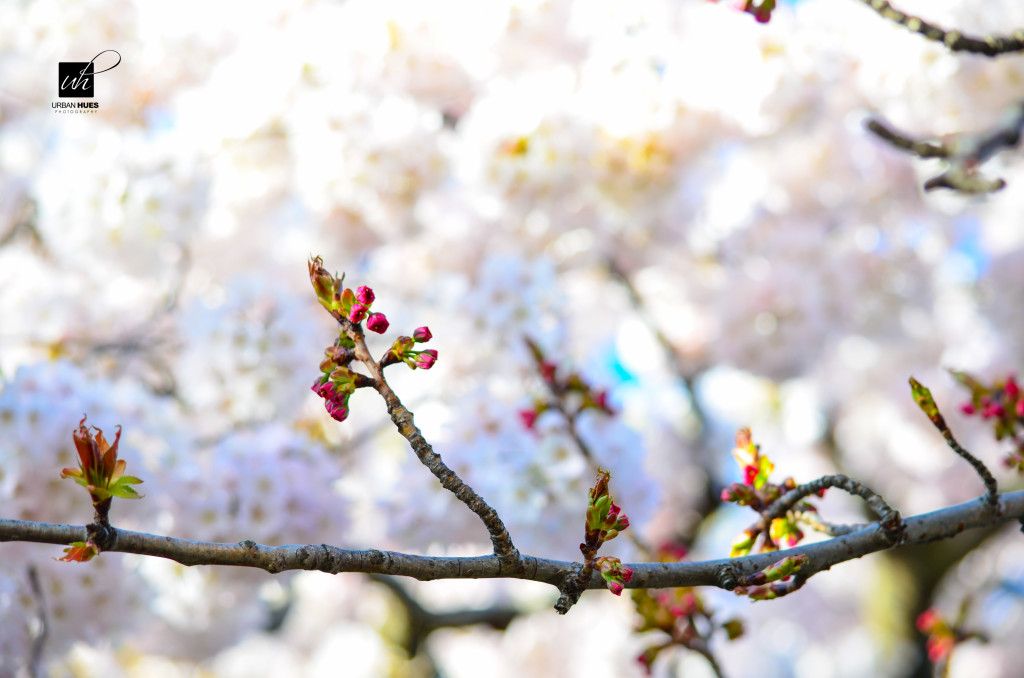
column 504, row 549
column 889, row 517
column 724, row 573
column 964, row 153
column 955, row 41
column 422, row 621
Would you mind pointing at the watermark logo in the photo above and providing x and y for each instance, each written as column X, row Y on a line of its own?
column 77, row 80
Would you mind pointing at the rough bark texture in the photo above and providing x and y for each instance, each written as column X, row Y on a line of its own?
column 723, row 573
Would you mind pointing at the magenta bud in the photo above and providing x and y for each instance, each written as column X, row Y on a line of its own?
column 377, row 323
column 422, row 335
column 426, row 359
column 364, row 295
column 1012, row 389
column 528, row 418
column 357, row 313
column 615, row 587
column 338, row 411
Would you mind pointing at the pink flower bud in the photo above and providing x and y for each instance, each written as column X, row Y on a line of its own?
column 528, row 417
column 627, row 574
column 993, row 410
column 1012, row 389
column 939, row 646
column 1020, row 408
column 324, row 390
column 749, row 474
column 422, row 335
column 364, row 295
column 615, row 587
column 357, row 313
column 377, row 323
column 927, row 620
column 646, row 659
column 338, row 411
column 726, row 495
column 426, row 359
column 968, row 408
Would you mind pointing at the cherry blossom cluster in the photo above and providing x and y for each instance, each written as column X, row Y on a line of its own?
column 423, row 99
column 337, row 381
column 1002, row 405
column 758, row 493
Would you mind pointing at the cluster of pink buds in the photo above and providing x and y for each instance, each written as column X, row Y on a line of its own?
column 1002, row 404
column 604, row 517
column 337, row 382
column 604, row 522
column 761, row 11
column 758, row 492
column 616, row 575
column 762, row 585
column 343, row 302
column 569, row 393
column 404, row 350
column 943, row 635
column 335, row 399
column 941, row 638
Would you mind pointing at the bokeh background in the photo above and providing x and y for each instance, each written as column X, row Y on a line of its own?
column 674, row 200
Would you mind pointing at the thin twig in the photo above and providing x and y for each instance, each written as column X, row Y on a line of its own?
column 926, row 402
column 955, row 41
column 504, row 549
column 922, row 149
column 39, row 641
column 422, row 622
column 889, row 518
column 964, row 154
column 814, row 521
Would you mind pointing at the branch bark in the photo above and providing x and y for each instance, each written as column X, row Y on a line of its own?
column 724, row 573
column 955, row 41
column 504, row 549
